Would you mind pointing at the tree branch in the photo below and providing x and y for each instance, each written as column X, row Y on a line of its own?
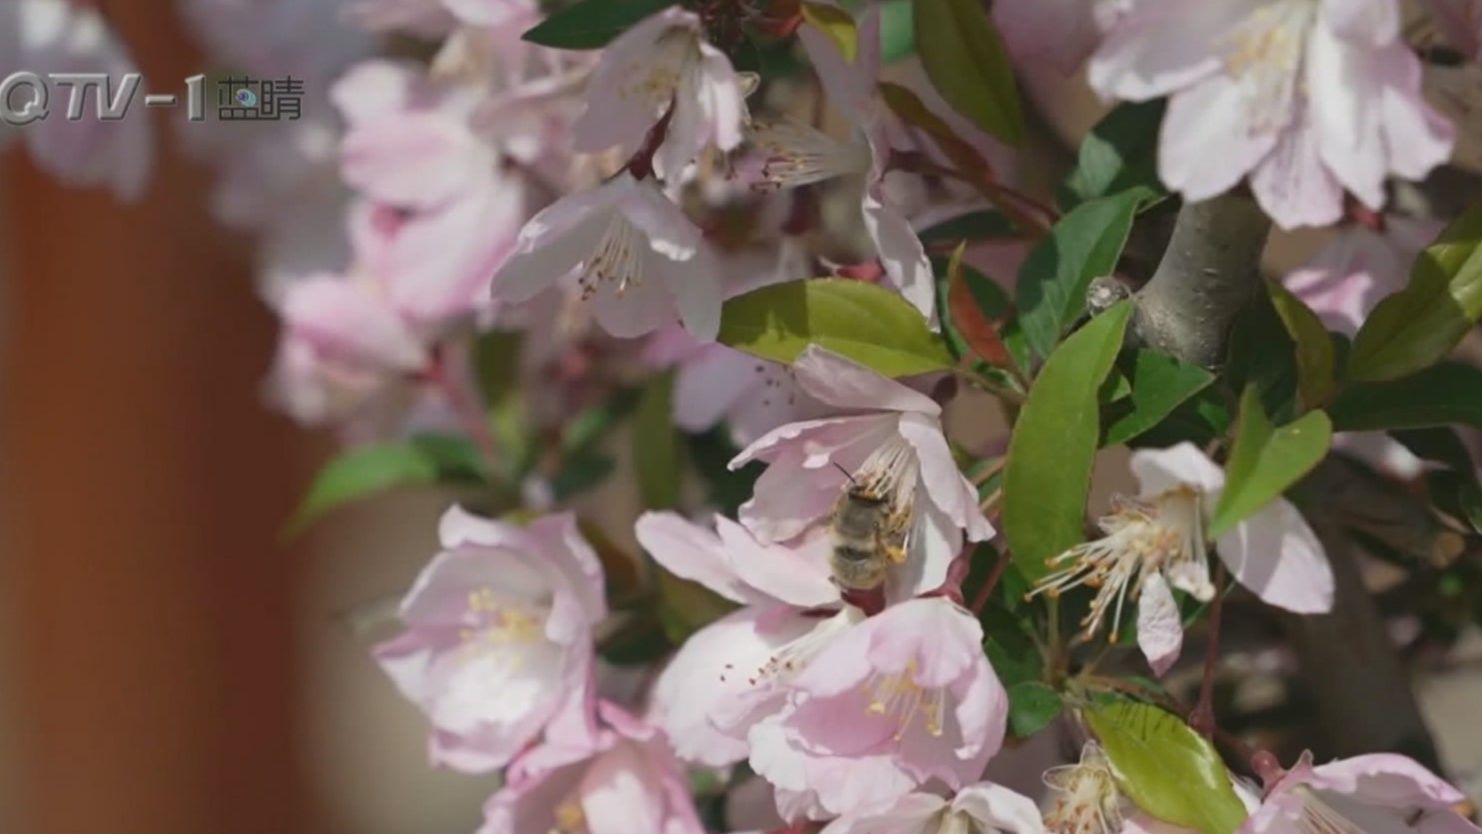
column 1209, row 272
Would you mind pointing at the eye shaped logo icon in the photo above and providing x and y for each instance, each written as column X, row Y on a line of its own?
column 246, row 97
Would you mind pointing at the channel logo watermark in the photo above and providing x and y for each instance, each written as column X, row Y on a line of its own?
column 29, row 97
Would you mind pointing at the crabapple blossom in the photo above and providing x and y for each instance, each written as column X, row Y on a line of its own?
column 793, row 154
column 663, row 65
column 714, row 384
column 903, row 698
column 498, row 638
column 1309, row 98
column 1156, row 542
column 627, row 251
column 1378, row 792
column 1060, row 33
column 56, row 36
column 888, row 430
column 624, row 781
column 1345, row 279
column 983, row 807
column 1086, row 797
column 736, row 669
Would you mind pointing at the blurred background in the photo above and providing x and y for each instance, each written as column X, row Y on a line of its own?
column 169, row 662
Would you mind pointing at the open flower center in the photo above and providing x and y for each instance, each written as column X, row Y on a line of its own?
column 570, row 818
column 900, row 697
column 617, row 261
column 1086, row 796
column 1265, row 54
column 1164, row 533
column 502, row 625
column 794, row 155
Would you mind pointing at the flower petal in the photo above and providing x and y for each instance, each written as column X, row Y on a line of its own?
column 1275, row 554
column 1160, row 470
column 843, row 383
column 1160, row 631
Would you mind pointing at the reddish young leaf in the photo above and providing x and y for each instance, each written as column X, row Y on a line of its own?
column 980, row 334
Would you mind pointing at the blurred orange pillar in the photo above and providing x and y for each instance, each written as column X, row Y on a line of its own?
column 145, row 485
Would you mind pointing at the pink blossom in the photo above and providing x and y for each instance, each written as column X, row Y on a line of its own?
column 1346, row 278
column 1156, row 542
column 1308, row 97
column 982, row 807
column 901, row 699
column 355, row 342
column 715, row 384
column 1379, row 792
column 625, row 249
column 1060, row 33
column 793, row 154
column 498, row 639
column 892, row 433
column 625, row 781
column 55, row 36
column 663, row 62
column 736, row 669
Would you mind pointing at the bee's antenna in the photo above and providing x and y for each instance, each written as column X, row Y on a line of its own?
column 845, row 471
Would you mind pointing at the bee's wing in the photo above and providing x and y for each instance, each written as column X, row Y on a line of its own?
column 896, row 527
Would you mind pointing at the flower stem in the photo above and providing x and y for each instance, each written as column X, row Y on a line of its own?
column 1202, row 716
column 467, row 409
column 981, row 598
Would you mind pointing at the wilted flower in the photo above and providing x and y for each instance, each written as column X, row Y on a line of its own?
column 498, row 639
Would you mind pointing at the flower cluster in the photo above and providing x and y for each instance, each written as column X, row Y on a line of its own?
column 525, row 226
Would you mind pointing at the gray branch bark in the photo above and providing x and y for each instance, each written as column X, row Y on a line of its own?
column 1210, row 271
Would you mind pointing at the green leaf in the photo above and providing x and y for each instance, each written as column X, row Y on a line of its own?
column 368, row 470
column 1447, row 393
column 1263, row 354
column 1316, row 362
column 860, row 321
column 966, row 61
column 1032, row 705
column 581, row 471
column 1160, row 384
column 1085, row 244
column 1054, row 444
column 987, row 224
column 897, row 31
column 837, row 24
column 1265, row 460
column 1118, row 154
column 1417, row 326
column 1166, row 768
column 656, row 446
column 592, row 24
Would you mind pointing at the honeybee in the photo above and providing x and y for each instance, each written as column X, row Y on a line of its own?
column 872, row 520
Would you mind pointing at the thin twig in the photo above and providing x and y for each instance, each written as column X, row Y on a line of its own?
column 1202, row 717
